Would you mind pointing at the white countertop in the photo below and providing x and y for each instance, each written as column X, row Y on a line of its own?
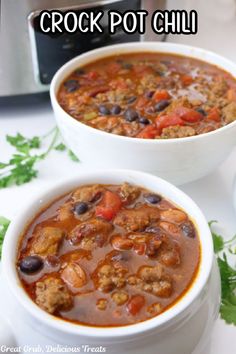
column 212, row 193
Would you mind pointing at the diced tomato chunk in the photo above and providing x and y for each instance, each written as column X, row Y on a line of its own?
column 105, row 213
column 148, row 132
column 189, row 115
column 92, row 75
column 186, row 80
column 109, row 206
column 168, row 120
column 135, row 304
column 161, row 95
column 214, row 114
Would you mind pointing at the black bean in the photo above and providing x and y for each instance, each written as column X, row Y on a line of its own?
column 160, row 73
column 130, row 115
column 79, row 71
column 31, row 264
column 72, row 89
column 71, row 85
column 166, row 62
column 188, row 229
column 127, row 66
column 68, row 83
column 131, row 99
column 104, row 110
column 153, row 198
column 116, row 109
column 201, row 111
column 149, row 94
column 80, row 208
column 161, row 105
column 144, row 120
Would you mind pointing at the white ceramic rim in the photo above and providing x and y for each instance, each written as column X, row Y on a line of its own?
column 137, row 47
column 107, row 176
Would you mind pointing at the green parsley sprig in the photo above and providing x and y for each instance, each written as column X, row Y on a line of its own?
column 228, row 276
column 4, row 223
column 21, row 167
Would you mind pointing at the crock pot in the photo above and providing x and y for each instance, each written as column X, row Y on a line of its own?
column 30, row 58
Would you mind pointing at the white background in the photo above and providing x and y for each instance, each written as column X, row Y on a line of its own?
column 213, row 193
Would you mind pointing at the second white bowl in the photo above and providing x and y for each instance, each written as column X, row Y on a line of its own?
column 177, row 160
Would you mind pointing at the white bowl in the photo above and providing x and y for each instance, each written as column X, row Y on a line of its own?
column 179, row 329
column 177, row 160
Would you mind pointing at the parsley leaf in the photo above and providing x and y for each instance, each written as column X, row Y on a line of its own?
column 228, row 313
column 228, row 288
column 60, row 147
column 72, row 156
column 228, row 277
column 23, row 144
column 4, row 223
column 218, row 240
column 21, row 168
